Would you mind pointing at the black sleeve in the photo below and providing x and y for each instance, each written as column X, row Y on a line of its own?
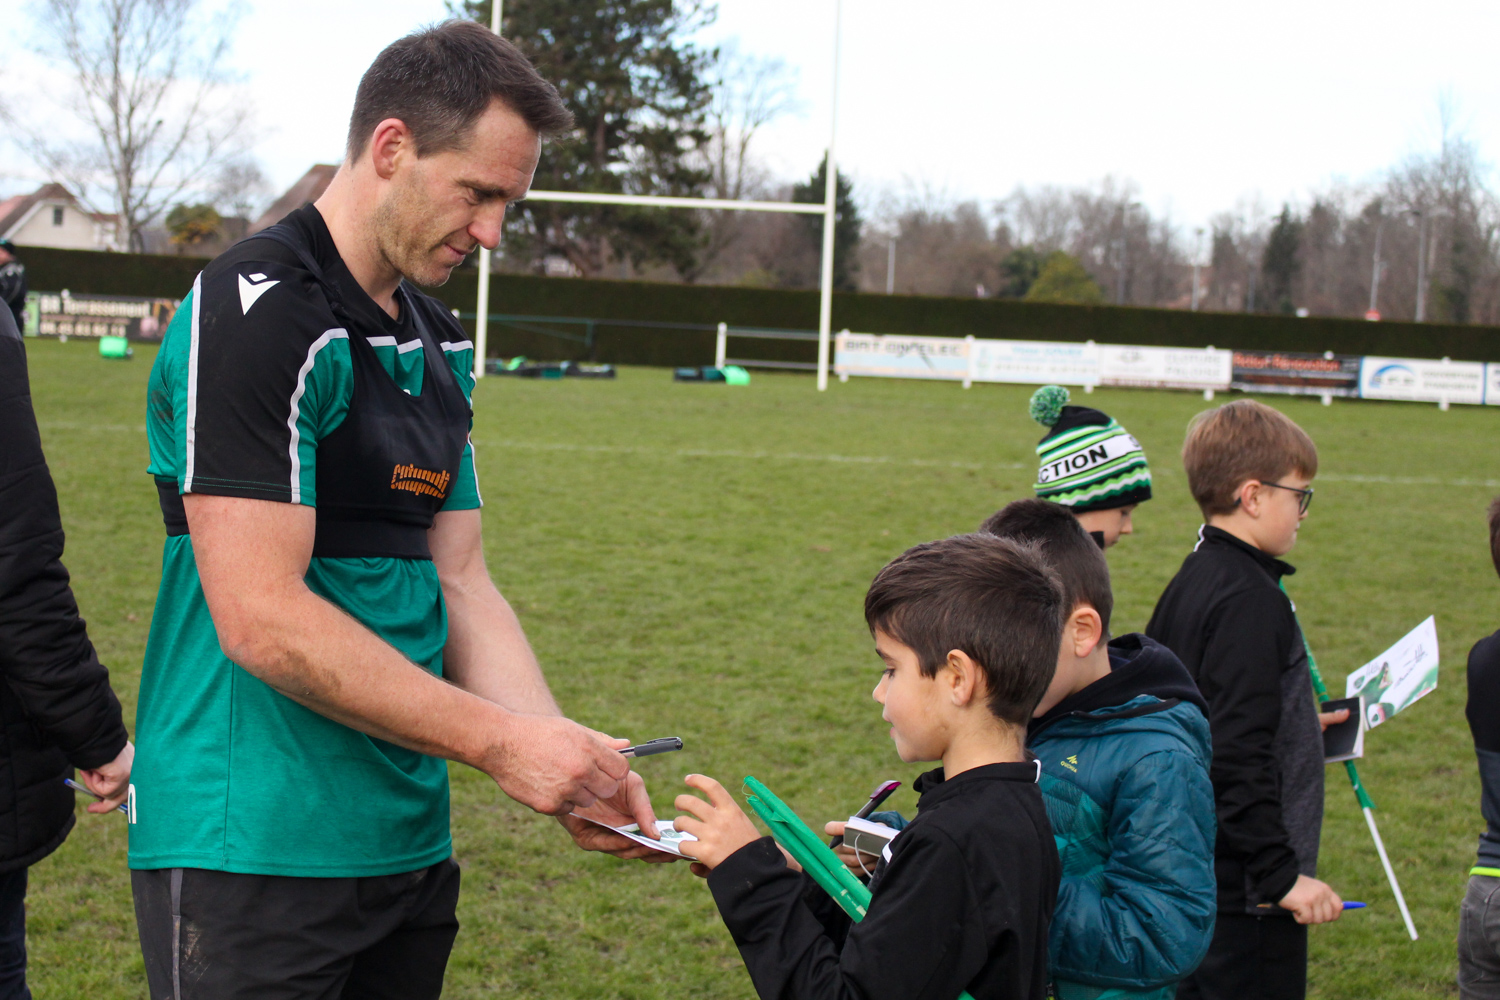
column 922, row 938
column 1483, row 708
column 1240, row 677
column 262, row 335
column 45, row 655
column 13, row 286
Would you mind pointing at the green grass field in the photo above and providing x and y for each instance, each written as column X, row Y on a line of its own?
column 691, row 560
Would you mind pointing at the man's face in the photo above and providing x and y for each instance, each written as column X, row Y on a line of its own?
column 439, row 208
column 6, row 256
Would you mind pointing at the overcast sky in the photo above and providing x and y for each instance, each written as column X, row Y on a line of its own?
column 1201, row 105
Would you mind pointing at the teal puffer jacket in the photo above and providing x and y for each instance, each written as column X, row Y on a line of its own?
column 1125, row 778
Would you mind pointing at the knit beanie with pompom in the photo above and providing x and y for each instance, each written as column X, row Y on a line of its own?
column 1088, row 461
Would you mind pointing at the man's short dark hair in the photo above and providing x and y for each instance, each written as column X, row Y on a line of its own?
column 1065, row 545
column 992, row 598
column 440, row 80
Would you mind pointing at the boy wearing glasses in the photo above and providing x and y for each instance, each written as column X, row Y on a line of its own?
column 1250, row 469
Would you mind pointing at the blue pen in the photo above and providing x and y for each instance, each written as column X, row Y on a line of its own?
column 1354, row 906
column 84, row 789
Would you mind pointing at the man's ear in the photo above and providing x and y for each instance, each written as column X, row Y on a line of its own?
column 389, row 142
column 964, row 677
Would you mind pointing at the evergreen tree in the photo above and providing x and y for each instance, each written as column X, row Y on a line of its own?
column 846, row 226
column 1063, row 278
column 1282, row 261
column 1020, row 268
column 638, row 87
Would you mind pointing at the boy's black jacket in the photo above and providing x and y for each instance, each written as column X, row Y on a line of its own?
column 964, row 903
column 1483, row 711
column 56, row 708
column 1226, row 617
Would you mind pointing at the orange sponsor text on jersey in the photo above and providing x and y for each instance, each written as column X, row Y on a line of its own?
column 420, row 481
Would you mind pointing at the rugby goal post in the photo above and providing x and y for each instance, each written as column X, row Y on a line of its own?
column 826, row 210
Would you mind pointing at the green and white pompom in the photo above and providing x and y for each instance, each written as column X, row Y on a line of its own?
column 1047, row 404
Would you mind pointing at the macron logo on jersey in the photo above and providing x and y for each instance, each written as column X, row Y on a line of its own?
column 252, row 287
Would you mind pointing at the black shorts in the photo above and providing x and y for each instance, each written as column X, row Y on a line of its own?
column 221, row 935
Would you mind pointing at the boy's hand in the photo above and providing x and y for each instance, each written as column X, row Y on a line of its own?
column 720, row 825
column 1312, row 901
column 861, row 864
column 1326, row 719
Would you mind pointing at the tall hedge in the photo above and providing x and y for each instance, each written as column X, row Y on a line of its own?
column 141, row 274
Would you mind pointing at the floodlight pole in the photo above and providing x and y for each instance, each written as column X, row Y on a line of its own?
column 830, row 190
column 482, row 308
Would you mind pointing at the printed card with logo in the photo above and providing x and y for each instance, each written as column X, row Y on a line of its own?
column 1395, row 679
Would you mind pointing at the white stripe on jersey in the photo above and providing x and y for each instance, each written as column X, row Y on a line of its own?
column 192, row 386
column 462, row 345
column 381, row 341
column 410, row 345
column 474, row 466
column 291, row 421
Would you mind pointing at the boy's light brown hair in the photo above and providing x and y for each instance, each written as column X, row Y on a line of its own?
column 1242, row 440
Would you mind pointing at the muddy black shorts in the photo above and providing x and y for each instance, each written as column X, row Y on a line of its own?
column 226, row 936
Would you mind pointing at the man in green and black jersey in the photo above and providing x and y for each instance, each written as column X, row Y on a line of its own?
column 326, row 635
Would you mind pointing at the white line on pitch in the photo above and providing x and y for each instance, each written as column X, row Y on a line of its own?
column 773, row 455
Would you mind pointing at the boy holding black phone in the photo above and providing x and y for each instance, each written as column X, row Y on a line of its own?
column 961, row 899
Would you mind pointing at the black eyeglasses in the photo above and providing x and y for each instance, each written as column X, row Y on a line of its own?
column 1304, row 497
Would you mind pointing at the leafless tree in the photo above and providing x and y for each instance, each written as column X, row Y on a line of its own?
column 749, row 92
column 150, row 91
column 239, row 188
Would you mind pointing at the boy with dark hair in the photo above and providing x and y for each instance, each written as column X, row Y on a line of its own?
column 1122, row 736
column 1089, row 463
column 1226, row 617
column 1479, row 916
column 968, row 630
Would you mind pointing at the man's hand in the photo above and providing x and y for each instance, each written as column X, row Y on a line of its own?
column 111, row 781
column 1326, row 719
column 720, row 825
column 629, row 805
column 861, row 864
column 556, row 766
column 1312, row 901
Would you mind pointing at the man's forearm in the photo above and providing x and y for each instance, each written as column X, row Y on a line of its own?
column 322, row 658
column 487, row 652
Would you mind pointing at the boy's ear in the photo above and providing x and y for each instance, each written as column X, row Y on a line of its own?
column 1247, row 497
column 964, row 678
column 1084, row 630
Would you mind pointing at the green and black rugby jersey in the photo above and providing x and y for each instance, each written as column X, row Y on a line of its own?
column 254, row 374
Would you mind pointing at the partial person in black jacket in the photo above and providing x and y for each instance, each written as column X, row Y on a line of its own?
column 962, row 898
column 1224, row 614
column 57, row 711
column 1479, row 914
column 13, row 283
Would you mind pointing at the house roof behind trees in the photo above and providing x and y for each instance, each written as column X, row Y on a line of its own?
column 308, row 189
column 69, row 225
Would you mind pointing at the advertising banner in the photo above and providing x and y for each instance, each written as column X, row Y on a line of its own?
column 1296, row 374
column 1492, row 384
column 1422, row 381
column 1164, row 367
column 900, row 357
column 1035, row 362
column 61, row 314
